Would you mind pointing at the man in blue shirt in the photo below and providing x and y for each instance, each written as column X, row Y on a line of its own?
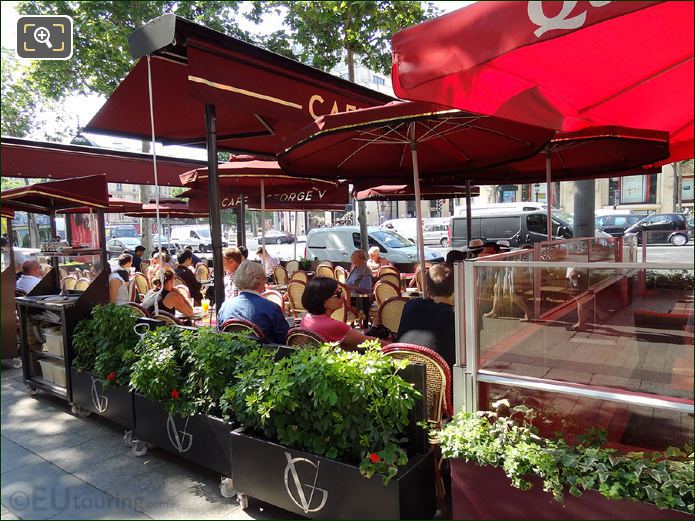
column 250, row 305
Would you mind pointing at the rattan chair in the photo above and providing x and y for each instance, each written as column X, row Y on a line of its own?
column 143, row 266
column 352, row 315
column 388, row 269
column 202, row 272
column 184, row 290
column 325, row 271
column 141, row 283
column 295, row 290
column 291, row 267
column 139, row 310
column 300, row 337
column 300, row 275
column 325, row 263
column 390, row 313
column 438, row 396
column 384, row 290
column 341, row 274
column 391, row 278
column 239, row 325
column 81, row 284
column 275, row 296
column 279, row 275
column 63, row 273
column 168, row 319
column 68, row 282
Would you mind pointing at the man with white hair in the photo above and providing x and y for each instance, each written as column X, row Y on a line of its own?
column 376, row 261
column 31, row 276
column 250, row 305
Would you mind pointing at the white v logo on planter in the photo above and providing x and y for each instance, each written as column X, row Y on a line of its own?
column 304, row 503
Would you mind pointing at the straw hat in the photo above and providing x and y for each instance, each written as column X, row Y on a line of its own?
column 475, row 245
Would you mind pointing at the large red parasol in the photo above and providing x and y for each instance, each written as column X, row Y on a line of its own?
column 55, row 195
column 115, row 205
column 406, row 192
column 564, row 65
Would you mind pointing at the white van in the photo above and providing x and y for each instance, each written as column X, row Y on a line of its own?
column 501, row 207
column 337, row 244
column 196, row 236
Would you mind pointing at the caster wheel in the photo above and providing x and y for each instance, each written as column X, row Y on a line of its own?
column 243, row 501
column 33, row 391
column 17, row 363
column 139, row 448
column 83, row 413
column 128, row 438
column 227, row 488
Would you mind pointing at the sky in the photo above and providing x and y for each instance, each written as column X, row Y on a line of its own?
column 86, row 106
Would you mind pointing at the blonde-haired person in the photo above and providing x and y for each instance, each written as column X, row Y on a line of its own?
column 375, row 260
column 250, row 305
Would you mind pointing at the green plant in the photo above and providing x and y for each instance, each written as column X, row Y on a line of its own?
column 104, row 344
column 348, row 406
column 304, row 263
column 664, row 479
column 668, row 279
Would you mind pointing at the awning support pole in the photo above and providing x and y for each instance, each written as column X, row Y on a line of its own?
column 549, row 193
column 263, row 213
column 296, row 234
column 214, row 202
column 418, row 209
column 469, row 212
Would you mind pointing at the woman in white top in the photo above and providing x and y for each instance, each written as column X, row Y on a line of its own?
column 118, row 281
column 269, row 262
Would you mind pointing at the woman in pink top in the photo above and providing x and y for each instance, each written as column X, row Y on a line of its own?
column 321, row 298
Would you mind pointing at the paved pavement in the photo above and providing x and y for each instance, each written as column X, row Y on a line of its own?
column 57, row 465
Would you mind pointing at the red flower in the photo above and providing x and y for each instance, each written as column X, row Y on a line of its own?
column 374, row 457
column 112, row 376
column 174, row 394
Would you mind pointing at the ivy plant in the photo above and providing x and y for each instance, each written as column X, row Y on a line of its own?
column 343, row 405
column 104, row 344
column 664, row 479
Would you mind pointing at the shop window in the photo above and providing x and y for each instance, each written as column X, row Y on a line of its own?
column 636, row 189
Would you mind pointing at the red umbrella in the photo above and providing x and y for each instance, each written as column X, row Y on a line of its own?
column 564, row 65
column 402, row 139
column 6, row 212
column 406, row 192
column 55, row 195
column 178, row 210
column 115, row 205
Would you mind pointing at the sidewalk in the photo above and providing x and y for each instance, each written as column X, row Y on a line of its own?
column 57, row 465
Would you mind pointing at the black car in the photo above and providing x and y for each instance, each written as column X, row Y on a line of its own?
column 616, row 224
column 662, row 227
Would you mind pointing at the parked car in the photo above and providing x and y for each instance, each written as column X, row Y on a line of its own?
column 337, row 244
column 166, row 243
column 115, row 231
column 662, row 227
column 616, row 224
column 435, row 231
column 122, row 245
column 272, row 237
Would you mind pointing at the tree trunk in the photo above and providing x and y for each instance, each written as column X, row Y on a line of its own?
column 33, row 227
column 145, row 194
column 677, row 175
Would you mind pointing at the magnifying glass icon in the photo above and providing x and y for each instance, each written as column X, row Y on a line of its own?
column 43, row 35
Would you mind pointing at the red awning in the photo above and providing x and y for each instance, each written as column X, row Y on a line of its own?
column 90, row 191
column 260, row 96
column 35, row 159
column 6, row 211
column 564, row 65
column 116, row 205
column 406, row 192
column 376, row 142
column 169, row 210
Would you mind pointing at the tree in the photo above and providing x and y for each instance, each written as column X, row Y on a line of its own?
column 332, row 31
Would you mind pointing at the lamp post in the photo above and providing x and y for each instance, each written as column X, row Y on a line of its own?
column 537, row 187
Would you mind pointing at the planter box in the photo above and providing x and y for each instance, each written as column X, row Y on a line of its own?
column 201, row 439
column 487, row 493
column 321, row 488
column 114, row 404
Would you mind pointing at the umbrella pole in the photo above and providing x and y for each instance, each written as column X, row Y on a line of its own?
column 548, row 193
column 469, row 211
column 263, row 213
column 296, row 235
column 418, row 210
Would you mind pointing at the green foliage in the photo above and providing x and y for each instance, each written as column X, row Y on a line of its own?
column 327, row 31
column 664, row 479
column 670, row 279
column 304, row 263
column 104, row 344
column 333, row 403
column 187, row 370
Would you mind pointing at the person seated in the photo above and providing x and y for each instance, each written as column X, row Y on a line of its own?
column 250, row 305
column 118, row 280
column 244, row 252
column 475, row 246
column 455, row 256
column 195, row 260
column 360, row 277
column 430, row 322
column 184, row 272
column 321, row 298
column 269, row 262
column 168, row 298
column 231, row 259
column 137, row 257
column 490, row 248
column 376, row 261
column 31, row 276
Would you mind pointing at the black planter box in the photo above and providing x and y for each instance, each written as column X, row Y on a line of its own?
column 201, row 439
column 321, row 488
column 114, row 404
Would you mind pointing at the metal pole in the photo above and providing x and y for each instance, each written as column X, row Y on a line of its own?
column 549, row 193
column 296, row 234
column 241, row 225
column 263, row 213
column 469, row 211
column 418, row 210
column 214, row 203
